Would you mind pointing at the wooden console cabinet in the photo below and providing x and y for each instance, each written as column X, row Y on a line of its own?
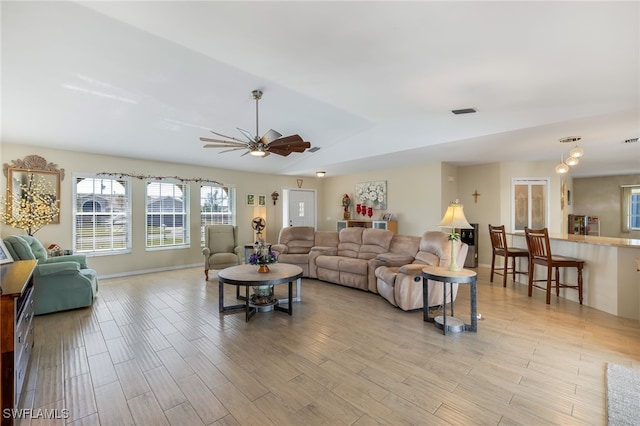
column 16, row 330
column 391, row 225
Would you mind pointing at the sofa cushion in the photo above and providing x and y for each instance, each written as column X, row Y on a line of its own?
column 374, row 242
column 298, row 239
column 329, row 262
column 294, row 258
column 18, row 248
column 326, row 239
column 350, row 242
column 353, row 266
column 36, row 247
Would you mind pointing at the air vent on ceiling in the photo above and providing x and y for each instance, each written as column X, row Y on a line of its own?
column 632, row 140
column 313, row 149
column 464, row 111
column 570, row 139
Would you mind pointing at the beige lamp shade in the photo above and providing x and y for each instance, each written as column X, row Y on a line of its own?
column 454, row 217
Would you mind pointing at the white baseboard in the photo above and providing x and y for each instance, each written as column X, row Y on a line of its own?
column 148, row 271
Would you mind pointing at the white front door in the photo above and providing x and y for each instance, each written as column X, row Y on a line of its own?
column 300, row 208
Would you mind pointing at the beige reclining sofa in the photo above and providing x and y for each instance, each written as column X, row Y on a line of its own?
column 373, row 260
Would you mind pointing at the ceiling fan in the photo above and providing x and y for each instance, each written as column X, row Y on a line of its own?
column 271, row 142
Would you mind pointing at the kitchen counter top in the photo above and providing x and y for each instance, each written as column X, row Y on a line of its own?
column 591, row 239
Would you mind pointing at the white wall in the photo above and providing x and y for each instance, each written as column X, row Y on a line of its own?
column 414, row 197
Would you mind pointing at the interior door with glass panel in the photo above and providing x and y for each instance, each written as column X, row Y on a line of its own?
column 301, row 207
column 529, row 204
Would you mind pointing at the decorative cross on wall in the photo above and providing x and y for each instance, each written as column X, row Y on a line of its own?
column 475, row 196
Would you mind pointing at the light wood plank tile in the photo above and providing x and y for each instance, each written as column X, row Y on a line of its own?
column 94, row 343
column 112, row 405
column 75, row 362
column 164, row 388
column 79, row 397
column 183, row 415
column 101, row 368
column 175, row 364
column 208, row 373
column 202, row 399
column 131, row 379
column 145, row 410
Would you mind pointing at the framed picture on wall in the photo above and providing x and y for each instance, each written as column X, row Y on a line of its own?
column 5, row 256
column 262, row 200
column 251, row 199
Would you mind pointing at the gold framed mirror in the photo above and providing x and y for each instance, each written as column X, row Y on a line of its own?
column 34, row 175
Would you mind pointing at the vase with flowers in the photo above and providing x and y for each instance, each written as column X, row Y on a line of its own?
column 262, row 256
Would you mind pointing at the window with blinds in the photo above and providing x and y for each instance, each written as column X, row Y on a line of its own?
column 102, row 215
column 217, row 207
column 167, row 212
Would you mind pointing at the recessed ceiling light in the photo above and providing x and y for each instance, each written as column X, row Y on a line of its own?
column 464, row 111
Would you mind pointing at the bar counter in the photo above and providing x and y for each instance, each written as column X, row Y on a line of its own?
column 611, row 279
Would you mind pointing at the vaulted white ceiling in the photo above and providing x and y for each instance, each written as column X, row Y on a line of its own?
column 372, row 84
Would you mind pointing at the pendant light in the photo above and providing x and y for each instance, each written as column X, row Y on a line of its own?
column 562, row 168
column 571, row 161
column 576, row 152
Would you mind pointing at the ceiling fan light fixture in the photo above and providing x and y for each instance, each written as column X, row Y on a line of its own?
column 271, row 142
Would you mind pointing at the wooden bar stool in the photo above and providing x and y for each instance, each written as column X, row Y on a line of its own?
column 500, row 248
column 540, row 254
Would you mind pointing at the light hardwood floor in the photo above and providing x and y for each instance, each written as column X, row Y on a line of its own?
column 153, row 350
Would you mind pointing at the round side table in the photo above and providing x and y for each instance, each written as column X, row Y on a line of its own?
column 464, row 276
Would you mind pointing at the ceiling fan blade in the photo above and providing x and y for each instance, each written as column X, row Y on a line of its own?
column 220, row 141
column 281, row 152
column 225, row 136
column 224, row 146
column 246, row 134
column 232, row 149
column 270, row 136
column 293, row 146
column 287, row 140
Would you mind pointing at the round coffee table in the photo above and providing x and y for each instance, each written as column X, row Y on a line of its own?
column 248, row 276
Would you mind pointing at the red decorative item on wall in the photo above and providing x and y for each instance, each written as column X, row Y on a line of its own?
column 358, row 208
column 370, row 212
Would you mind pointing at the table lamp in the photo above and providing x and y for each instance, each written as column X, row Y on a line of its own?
column 454, row 219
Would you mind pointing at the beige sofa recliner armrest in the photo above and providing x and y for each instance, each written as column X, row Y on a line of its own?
column 279, row 249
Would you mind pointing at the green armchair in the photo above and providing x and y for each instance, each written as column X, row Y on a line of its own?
column 59, row 283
